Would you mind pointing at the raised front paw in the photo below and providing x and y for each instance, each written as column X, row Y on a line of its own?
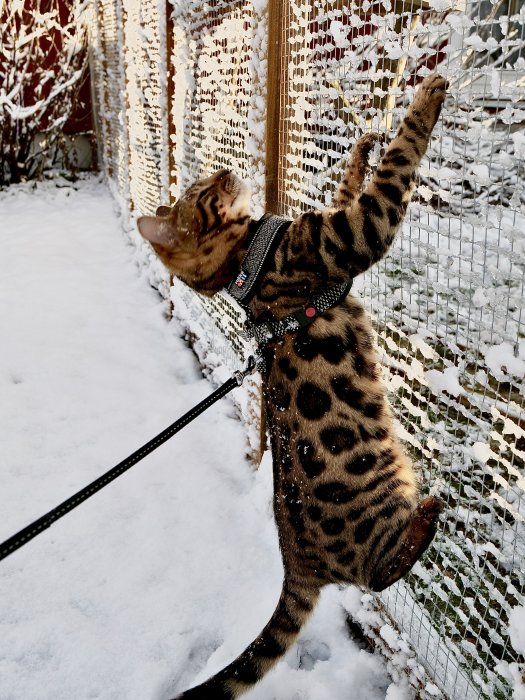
column 435, row 85
column 367, row 142
column 428, row 100
column 431, row 92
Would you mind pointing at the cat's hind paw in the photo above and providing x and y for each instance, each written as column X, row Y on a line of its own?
column 419, row 534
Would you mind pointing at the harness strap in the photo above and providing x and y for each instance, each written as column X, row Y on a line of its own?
column 242, row 287
column 266, row 331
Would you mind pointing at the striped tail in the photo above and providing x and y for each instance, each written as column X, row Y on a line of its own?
column 293, row 609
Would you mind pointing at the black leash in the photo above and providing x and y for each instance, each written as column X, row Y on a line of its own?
column 35, row 528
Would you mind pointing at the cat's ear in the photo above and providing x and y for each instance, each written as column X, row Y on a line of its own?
column 155, row 230
column 163, row 210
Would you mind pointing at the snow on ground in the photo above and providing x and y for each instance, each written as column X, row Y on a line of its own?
column 165, row 575
column 512, row 671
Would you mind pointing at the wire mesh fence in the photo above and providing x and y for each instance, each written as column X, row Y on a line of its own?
column 279, row 93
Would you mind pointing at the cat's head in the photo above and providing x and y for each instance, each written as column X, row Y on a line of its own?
column 200, row 238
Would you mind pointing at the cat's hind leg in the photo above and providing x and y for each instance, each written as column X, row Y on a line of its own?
column 352, row 182
column 418, row 535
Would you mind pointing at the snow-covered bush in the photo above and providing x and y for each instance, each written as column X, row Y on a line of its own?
column 43, row 60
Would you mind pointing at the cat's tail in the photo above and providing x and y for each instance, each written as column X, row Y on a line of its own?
column 293, row 609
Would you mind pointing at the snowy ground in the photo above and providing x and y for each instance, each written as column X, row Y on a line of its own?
column 164, row 576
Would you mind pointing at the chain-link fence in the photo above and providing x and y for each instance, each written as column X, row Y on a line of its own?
column 279, row 92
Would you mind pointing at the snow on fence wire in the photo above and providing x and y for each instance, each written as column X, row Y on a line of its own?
column 279, row 93
column 145, row 56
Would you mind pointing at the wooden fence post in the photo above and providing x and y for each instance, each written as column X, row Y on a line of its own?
column 170, row 87
column 276, row 80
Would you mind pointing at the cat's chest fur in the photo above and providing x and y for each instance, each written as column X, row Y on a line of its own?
column 338, row 467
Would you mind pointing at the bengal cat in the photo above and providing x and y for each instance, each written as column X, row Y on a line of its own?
column 346, row 499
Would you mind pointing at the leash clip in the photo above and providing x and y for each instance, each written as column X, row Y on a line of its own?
column 241, row 374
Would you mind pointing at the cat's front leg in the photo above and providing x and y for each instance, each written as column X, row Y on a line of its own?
column 382, row 206
column 352, row 183
column 355, row 237
column 424, row 111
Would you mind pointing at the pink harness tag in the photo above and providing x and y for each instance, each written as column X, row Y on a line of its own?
column 310, row 311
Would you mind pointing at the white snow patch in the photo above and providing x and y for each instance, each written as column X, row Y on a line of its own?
column 339, row 34
column 447, row 380
column 443, row 5
column 390, row 635
column 418, row 343
column 519, row 143
column 517, row 629
column 481, row 451
column 480, row 298
column 401, row 691
column 481, row 173
column 501, row 359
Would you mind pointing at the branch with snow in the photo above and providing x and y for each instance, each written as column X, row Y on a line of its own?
column 43, row 62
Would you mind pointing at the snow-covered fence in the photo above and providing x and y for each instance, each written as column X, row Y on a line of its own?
column 107, row 64
column 280, row 92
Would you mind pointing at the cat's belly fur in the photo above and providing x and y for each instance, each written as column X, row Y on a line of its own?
column 344, row 487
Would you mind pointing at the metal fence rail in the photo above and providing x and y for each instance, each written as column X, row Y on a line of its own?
column 279, row 93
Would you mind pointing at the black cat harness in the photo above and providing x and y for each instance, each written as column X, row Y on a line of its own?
column 243, row 287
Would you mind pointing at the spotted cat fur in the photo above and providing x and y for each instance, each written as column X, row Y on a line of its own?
column 346, row 499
